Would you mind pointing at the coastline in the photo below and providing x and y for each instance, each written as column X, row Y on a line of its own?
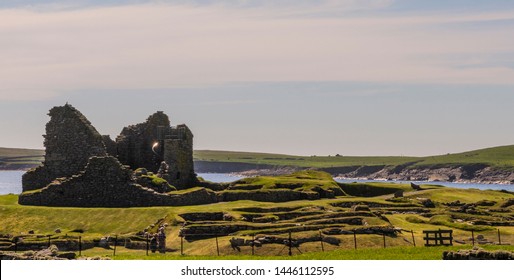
column 456, row 174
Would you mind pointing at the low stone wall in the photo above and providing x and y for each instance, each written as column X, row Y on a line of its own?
column 267, row 195
column 203, row 216
column 350, row 204
column 478, row 254
column 107, row 183
column 49, row 253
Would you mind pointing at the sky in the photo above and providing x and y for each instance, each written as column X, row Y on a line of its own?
column 319, row 77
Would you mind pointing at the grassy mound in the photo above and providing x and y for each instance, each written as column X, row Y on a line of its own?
column 302, row 181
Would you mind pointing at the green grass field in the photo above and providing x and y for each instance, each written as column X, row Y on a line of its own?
column 501, row 157
column 394, row 253
column 303, row 217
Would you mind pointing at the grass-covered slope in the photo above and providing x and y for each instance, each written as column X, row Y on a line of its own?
column 501, row 157
column 302, row 181
column 497, row 156
column 368, row 209
column 300, row 161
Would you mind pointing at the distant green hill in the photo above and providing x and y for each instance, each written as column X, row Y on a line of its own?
column 11, row 158
column 500, row 157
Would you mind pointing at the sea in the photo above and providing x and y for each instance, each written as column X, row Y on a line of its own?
column 10, row 182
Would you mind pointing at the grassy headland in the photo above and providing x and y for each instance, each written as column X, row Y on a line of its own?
column 501, row 157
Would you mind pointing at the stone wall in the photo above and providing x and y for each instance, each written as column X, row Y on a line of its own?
column 147, row 144
column 105, row 182
column 85, row 169
column 478, row 254
column 70, row 141
column 134, row 144
column 267, row 195
column 178, row 154
column 110, row 145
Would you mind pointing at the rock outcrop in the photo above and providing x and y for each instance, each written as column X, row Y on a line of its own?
column 471, row 173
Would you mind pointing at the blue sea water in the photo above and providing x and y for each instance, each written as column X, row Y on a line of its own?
column 10, row 182
column 445, row 184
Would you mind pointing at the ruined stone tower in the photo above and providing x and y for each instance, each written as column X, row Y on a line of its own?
column 178, row 154
column 70, row 140
column 148, row 144
column 135, row 143
column 83, row 168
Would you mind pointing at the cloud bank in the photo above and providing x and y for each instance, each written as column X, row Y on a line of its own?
column 147, row 46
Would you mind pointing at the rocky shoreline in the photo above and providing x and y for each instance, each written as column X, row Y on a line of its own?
column 470, row 174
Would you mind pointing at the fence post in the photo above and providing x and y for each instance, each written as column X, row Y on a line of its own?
column 384, row 236
column 49, row 240
column 355, row 240
column 499, row 238
column 217, row 245
column 16, row 244
column 321, row 240
column 147, row 244
column 80, row 245
column 413, row 240
column 182, row 245
column 115, row 242
column 290, row 244
column 473, row 237
column 253, row 244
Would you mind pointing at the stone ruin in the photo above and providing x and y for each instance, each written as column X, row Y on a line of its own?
column 83, row 168
column 70, row 141
column 143, row 167
column 149, row 144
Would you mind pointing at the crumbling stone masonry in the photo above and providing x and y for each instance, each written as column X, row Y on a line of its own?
column 85, row 169
column 110, row 145
column 105, row 182
column 178, row 154
column 81, row 167
column 147, row 144
column 70, row 140
column 135, row 142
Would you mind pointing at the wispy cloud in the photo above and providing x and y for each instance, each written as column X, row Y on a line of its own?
column 288, row 6
column 163, row 46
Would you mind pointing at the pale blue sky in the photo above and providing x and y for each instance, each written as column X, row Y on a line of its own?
column 373, row 77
